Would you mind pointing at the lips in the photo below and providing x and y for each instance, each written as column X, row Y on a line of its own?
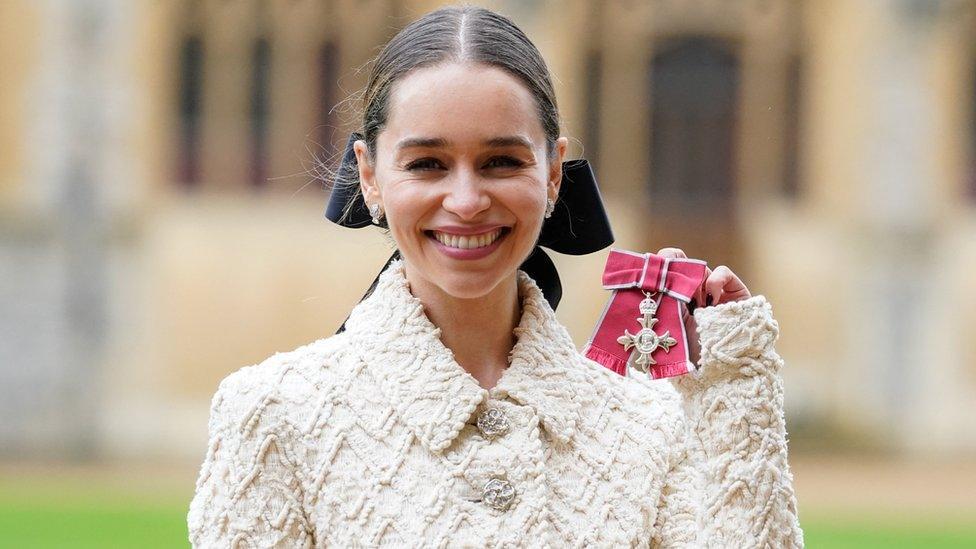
column 467, row 241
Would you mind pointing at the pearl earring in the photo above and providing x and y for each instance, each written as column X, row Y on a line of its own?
column 550, row 207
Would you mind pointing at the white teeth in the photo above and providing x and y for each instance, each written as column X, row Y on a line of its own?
column 467, row 242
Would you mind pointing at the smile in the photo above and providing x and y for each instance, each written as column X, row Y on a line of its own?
column 468, row 246
column 467, row 242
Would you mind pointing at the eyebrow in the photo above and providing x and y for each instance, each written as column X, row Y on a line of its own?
column 436, row 142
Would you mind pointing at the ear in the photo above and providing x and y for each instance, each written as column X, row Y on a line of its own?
column 556, row 167
column 367, row 173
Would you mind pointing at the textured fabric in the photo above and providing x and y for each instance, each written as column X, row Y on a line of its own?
column 369, row 438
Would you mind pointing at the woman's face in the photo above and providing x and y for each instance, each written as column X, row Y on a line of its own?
column 462, row 175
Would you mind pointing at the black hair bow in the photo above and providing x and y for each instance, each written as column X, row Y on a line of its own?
column 578, row 225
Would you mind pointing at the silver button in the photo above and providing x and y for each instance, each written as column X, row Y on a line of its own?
column 498, row 494
column 492, row 422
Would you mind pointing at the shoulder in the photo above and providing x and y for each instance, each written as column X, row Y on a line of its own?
column 278, row 392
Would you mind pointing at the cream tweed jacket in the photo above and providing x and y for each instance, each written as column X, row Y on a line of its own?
column 370, row 438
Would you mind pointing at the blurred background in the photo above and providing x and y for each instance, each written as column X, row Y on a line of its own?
column 161, row 225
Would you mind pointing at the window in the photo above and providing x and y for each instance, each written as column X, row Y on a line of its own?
column 694, row 87
column 328, row 80
column 260, row 110
column 190, row 92
column 791, row 129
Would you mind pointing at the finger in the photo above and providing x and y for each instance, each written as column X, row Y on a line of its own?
column 699, row 297
column 715, row 283
column 732, row 287
column 672, row 253
column 735, row 289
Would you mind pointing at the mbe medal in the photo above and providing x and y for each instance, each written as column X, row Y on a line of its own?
column 660, row 288
column 646, row 341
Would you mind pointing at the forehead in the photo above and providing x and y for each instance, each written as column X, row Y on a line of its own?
column 462, row 102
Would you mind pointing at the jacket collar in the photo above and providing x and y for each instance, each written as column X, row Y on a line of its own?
column 432, row 393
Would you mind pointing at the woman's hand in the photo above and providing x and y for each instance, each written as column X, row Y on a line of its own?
column 720, row 286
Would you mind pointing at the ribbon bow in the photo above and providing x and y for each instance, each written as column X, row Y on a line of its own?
column 642, row 324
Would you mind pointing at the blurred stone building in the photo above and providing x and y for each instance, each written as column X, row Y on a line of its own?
column 161, row 206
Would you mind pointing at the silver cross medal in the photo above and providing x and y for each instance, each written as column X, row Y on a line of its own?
column 646, row 340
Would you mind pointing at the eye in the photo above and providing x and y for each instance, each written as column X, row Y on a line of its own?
column 504, row 162
column 424, row 164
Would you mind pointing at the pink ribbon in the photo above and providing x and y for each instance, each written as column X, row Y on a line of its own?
column 672, row 283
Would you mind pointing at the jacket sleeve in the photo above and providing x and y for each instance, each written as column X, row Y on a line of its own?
column 730, row 484
column 249, row 492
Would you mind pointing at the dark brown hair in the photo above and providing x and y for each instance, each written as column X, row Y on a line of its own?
column 455, row 33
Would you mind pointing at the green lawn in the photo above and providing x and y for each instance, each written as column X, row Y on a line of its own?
column 890, row 532
column 41, row 525
column 83, row 517
column 81, row 510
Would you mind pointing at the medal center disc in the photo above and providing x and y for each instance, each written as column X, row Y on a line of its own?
column 647, row 341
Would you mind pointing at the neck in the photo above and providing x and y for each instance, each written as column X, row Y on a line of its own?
column 479, row 331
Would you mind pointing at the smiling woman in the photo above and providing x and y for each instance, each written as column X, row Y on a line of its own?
column 468, row 161
column 455, row 410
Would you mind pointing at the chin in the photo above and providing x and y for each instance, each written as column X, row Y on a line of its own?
column 470, row 285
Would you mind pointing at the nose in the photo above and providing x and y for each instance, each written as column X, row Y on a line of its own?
column 466, row 196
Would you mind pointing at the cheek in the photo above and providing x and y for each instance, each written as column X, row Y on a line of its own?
column 401, row 212
column 526, row 200
column 406, row 206
column 399, row 197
